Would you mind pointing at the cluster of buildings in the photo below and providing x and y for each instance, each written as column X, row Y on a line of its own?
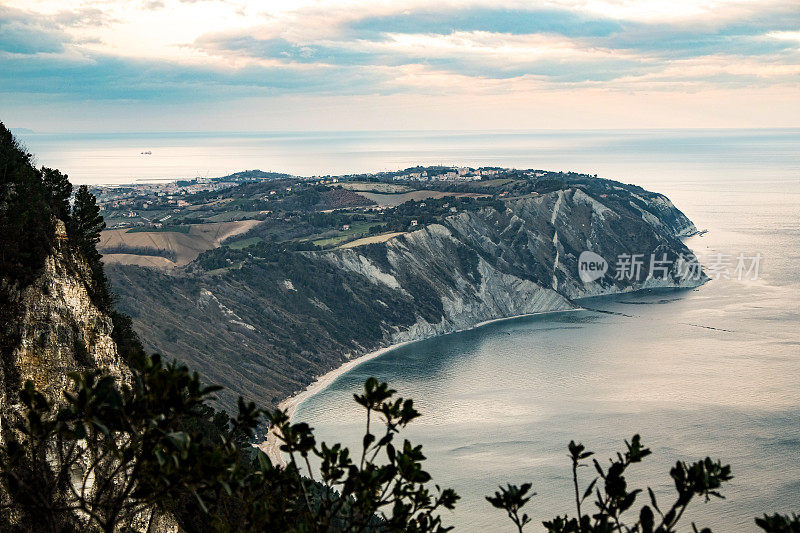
column 148, row 195
column 456, row 174
column 172, row 188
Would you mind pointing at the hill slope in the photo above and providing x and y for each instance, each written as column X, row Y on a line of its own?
column 267, row 326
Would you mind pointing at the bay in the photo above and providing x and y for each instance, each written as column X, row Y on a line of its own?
column 711, row 371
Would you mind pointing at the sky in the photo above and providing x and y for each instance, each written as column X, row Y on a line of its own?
column 233, row 65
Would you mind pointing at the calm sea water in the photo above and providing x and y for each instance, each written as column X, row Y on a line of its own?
column 713, row 371
column 710, row 371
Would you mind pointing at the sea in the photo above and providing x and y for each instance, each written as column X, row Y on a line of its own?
column 712, row 371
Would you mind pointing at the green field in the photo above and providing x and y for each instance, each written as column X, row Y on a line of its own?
column 244, row 243
column 228, row 216
column 162, row 229
column 334, row 238
column 530, row 195
column 332, row 241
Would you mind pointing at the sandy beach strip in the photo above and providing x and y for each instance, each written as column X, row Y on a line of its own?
column 271, row 446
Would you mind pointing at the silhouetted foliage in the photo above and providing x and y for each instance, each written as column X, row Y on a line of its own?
column 778, row 523
column 108, row 453
column 113, row 456
column 512, row 499
column 613, row 497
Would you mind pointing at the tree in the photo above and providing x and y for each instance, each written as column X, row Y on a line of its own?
column 60, row 190
column 86, row 223
column 25, row 214
column 84, row 227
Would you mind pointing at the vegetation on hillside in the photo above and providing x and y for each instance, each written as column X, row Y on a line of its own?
column 28, row 205
column 141, row 250
column 32, row 201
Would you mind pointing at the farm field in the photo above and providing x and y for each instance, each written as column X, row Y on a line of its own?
column 244, row 243
column 185, row 247
column 372, row 239
column 228, row 216
column 393, row 200
column 333, row 238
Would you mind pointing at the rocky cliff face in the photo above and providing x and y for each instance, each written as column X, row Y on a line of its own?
column 526, row 258
column 51, row 327
column 270, row 327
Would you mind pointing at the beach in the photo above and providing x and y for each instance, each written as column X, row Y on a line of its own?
column 271, row 446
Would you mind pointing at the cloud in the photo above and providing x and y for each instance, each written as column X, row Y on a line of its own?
column 26, row 33
column 374, row 48
column 508, row 21
column 103, row 77
column 555, row 46
column 248, row 46
column 88, row 16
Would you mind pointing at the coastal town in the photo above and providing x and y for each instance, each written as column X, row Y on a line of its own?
column 161, row 203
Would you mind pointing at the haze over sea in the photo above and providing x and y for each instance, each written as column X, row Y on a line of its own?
column 712, row 371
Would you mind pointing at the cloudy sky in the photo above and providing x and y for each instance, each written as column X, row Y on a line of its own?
column 146, row 65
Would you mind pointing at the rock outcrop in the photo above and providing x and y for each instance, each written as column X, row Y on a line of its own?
column 52, row 327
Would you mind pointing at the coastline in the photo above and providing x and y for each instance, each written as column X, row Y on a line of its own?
column 271, row 445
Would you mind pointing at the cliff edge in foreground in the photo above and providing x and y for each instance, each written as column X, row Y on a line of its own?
column 52, row 327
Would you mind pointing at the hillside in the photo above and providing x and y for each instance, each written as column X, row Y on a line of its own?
column 265, row 320
column 53, row 326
